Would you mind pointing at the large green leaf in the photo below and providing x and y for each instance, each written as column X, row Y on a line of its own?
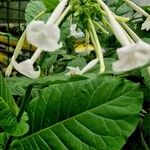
column 96, row 114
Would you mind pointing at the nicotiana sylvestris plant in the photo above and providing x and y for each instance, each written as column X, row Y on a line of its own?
column 75, row 110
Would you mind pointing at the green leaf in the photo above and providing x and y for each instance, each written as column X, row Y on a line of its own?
column 119, row 3
column 33, row 9
column 18, row 85
column 9, row 111
column 8, row 120
column 5, row 94
column 3, row 138
column 50, row 4
column 78, row 62
column 96, row 114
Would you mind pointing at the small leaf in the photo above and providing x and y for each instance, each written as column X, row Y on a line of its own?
column 9, row 111
column 50, row 4
column 8, row 120
column 33, row 9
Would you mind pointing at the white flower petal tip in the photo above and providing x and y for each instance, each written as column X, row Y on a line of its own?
column 90, row 65
column 26, row 68
column 146, row 24
column 43, row 36
column 74, row 32
column 131, row 57
column 74, row 71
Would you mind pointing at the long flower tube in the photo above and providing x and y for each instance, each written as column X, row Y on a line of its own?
column 45, row 37
column 116, row 27
column 57, row 12
column 146, row 24
column 97, row 46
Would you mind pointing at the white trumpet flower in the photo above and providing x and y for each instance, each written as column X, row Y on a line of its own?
column 132, row 56
column 146, row 24
column 77, row 71
column 43, row 36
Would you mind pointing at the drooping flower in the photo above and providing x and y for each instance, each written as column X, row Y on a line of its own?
column 46, row 38
column 77, row 71
column 43, row 36
column 132, row 56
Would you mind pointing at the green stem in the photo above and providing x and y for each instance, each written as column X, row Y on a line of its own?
column 25, row 102
column 20, row 114
column 98, row 47
column 60, row 19
column 145, row 146
column 130, row 32
column 101, row 28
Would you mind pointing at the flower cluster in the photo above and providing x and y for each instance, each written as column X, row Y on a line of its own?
column 134, row 52
column 44, row 36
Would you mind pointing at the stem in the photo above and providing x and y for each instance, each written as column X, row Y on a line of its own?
column 25, row 102
column 57, row 12
column 36, row 55
column 145, row 146
column 19, row 46
column 8, row 143
column 98, row 47
column 137, row 8
column 118, row 18
column 131, row 32
column 19, row 116
column 63, row 15
column 116, row 27
column 101, row 28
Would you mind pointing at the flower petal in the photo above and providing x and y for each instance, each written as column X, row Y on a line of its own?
column 74, row 32
column 146, row 24
column 26, row 68
column 43, row 36
column 132, row 57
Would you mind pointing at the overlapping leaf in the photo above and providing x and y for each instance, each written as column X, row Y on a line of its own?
column 96, row 114
column 9, row 111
